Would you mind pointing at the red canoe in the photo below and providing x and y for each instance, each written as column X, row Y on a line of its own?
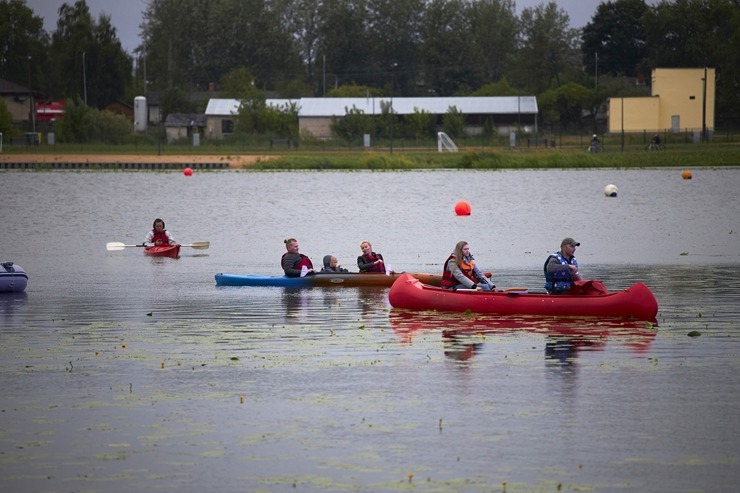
column 172, row 251
column 634, row 302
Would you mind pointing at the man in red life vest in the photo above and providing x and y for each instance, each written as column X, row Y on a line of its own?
column 293, row 262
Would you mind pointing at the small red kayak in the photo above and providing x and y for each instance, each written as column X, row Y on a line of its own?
column 172, row 251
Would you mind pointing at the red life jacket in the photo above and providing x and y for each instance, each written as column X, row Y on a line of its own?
column 298, row 264
column 448, row 280
column 376, row 267
column 160, row 235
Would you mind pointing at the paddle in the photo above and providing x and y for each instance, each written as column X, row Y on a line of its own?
column 117, row 245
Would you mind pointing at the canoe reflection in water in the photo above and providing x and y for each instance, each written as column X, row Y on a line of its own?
column 331, row 302
column 464, row 335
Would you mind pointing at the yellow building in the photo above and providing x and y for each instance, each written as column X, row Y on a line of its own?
column 680, row 101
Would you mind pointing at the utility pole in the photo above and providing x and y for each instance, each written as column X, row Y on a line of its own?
column 84, row 76
column 393, row 83
column 596, row 70
column 704, row 108
column 31, row 102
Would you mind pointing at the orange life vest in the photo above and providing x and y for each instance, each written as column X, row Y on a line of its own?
column 448, row 280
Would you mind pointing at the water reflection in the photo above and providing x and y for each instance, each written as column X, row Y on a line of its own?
column 464, row 335
column 294, row 301
column 12, row 308
column 332, row 302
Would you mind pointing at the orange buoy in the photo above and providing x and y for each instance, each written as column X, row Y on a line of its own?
column 686, row 175
column 188, row 172
column 462, row 208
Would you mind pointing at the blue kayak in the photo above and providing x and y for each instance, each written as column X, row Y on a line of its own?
column 326, row 279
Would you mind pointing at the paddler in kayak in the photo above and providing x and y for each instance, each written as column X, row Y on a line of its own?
column 561, row 268
column 293, row 262
column 158, row 235
column 370, row 261
column 460, row 271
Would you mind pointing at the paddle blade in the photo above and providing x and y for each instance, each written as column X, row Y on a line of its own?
column 114, row 245
column 199, row 245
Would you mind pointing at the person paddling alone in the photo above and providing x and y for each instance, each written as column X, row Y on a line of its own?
column 159, row 235
column 370, row 261
column 293, row 262
column 561, row 268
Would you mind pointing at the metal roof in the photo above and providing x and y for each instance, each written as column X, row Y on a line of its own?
column 185, row 120
column 327, row 107
column 227, row 107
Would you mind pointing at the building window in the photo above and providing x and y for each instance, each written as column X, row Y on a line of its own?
column 227, row 126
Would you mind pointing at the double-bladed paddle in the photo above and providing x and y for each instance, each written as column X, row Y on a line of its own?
column 117, row 245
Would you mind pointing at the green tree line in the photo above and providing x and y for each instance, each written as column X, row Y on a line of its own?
column 295, row 48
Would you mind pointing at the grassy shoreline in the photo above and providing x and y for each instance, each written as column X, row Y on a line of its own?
column 684, row 156
column 725, row 156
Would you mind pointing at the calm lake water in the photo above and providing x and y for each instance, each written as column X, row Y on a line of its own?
column 122, row 373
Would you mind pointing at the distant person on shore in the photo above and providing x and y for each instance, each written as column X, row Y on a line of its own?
column 370, row 261
column 293, row 262
column 331, row 264
column 595, row 144
column 158, row 235
column 460, row 271
column 561, row 268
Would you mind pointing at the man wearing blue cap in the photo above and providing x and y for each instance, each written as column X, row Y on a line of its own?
column 561, row 268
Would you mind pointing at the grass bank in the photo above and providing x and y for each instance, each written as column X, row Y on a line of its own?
column 685, row 157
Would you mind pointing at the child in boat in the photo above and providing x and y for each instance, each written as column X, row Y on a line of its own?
column 331, row 264
column 158, row 235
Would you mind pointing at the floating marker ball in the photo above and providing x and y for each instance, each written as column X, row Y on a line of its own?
column 188, row 172
column 611, row 190
column 462, row 208
column 686, row 175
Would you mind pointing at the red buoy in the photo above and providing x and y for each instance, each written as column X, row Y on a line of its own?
column 188, row 172
column 462, row 208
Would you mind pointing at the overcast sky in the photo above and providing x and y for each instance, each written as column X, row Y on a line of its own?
column 126, row 14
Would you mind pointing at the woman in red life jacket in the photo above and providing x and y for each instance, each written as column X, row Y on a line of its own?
column 460, row 271
column 158, row 235
column 370, row 261
column 293, row 262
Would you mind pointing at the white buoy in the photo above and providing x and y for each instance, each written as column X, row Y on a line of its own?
column 611, row 190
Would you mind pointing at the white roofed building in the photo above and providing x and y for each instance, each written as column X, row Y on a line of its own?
column 220, row 114
column 315, row 115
